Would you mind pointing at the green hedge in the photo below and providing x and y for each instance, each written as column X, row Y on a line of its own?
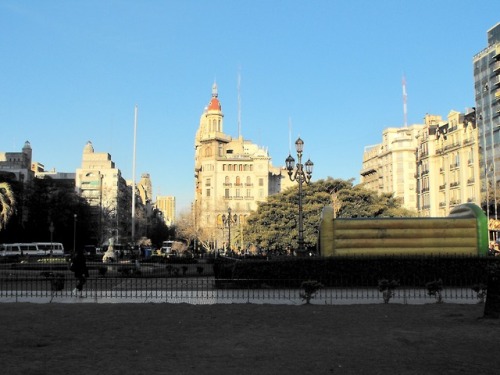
column 357, row 271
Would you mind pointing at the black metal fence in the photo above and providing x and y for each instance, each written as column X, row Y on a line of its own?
column 195, row 283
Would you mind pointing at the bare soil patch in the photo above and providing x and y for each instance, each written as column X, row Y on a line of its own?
column 52, row 339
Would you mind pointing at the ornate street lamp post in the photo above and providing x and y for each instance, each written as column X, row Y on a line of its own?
column 74, row 233
column 227, row 220
column 302, row 173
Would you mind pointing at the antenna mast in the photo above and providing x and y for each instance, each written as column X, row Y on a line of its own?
column 239, row 103
column 405, row 110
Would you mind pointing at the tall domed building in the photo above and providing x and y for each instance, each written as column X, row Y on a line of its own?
column 101, row 184
column 230, row 173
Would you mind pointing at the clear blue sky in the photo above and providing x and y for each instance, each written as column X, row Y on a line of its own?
column 72, row 71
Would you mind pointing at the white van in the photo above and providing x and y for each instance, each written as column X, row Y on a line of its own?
column 13, row 249
column 34, row 248
column 50, row 248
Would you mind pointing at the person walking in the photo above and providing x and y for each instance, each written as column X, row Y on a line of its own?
column 79, row 268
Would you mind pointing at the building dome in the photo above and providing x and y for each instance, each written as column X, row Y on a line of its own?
column 214, row 104
column 88, row 149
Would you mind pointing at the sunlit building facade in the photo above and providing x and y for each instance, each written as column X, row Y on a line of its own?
column 447, row 163
column 166, row 205
column 390, row 167
column 229, row 173
column 101, row 184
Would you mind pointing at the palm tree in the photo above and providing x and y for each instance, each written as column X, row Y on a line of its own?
column 7, row 204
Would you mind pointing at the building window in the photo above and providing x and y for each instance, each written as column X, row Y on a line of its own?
column 208, row 192
column 208, row 182
column 226, row 193
column 261, row 182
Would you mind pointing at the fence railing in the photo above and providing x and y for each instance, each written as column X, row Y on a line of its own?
column 196, row 284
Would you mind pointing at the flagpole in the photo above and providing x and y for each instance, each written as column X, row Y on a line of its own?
column 133, row 176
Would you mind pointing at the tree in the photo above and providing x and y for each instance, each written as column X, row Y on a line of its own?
column 7, row 204
column 47, row 201
column 186, row 229
column 275, row 223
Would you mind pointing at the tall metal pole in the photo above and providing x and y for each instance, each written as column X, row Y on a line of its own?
column 229, row 227
column 133, row 177
column 74, row 233
column 101, row 176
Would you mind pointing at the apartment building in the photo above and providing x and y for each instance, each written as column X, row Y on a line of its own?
column 486, row 65
column 447, row 164
column 101, row 184
column 166, row 205
column 390, row 167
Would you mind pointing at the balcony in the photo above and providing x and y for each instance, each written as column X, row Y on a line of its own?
column 228, row 184
column 470, row 180
column 441, row 187
column 496, row 53
column 454, row 184
column 496, row 66
column 451, row 146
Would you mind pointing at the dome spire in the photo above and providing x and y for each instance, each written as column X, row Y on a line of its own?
column 215, row 94
column 214, row 104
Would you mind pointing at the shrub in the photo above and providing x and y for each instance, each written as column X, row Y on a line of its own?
column 480, row 289
column 387, row 288
column 310, row 288
column 434, row 288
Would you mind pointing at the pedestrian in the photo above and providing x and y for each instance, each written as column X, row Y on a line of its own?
column 79, row 268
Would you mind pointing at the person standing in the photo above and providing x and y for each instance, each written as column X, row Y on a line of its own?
column 79, row 268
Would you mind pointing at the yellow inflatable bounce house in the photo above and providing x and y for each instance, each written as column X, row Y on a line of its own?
column 463, row 232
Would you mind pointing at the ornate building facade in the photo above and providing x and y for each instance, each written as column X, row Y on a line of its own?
column 230, row 173
column 447, row 164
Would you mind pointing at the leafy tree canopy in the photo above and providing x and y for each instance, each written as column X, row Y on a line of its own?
column 275, row 223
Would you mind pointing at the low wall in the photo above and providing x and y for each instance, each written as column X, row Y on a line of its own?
column 463, row 232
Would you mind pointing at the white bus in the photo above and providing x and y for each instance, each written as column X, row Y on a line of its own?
column 33, row 248
column 50, row 248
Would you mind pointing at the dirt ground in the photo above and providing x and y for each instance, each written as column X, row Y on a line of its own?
column 52, row 339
